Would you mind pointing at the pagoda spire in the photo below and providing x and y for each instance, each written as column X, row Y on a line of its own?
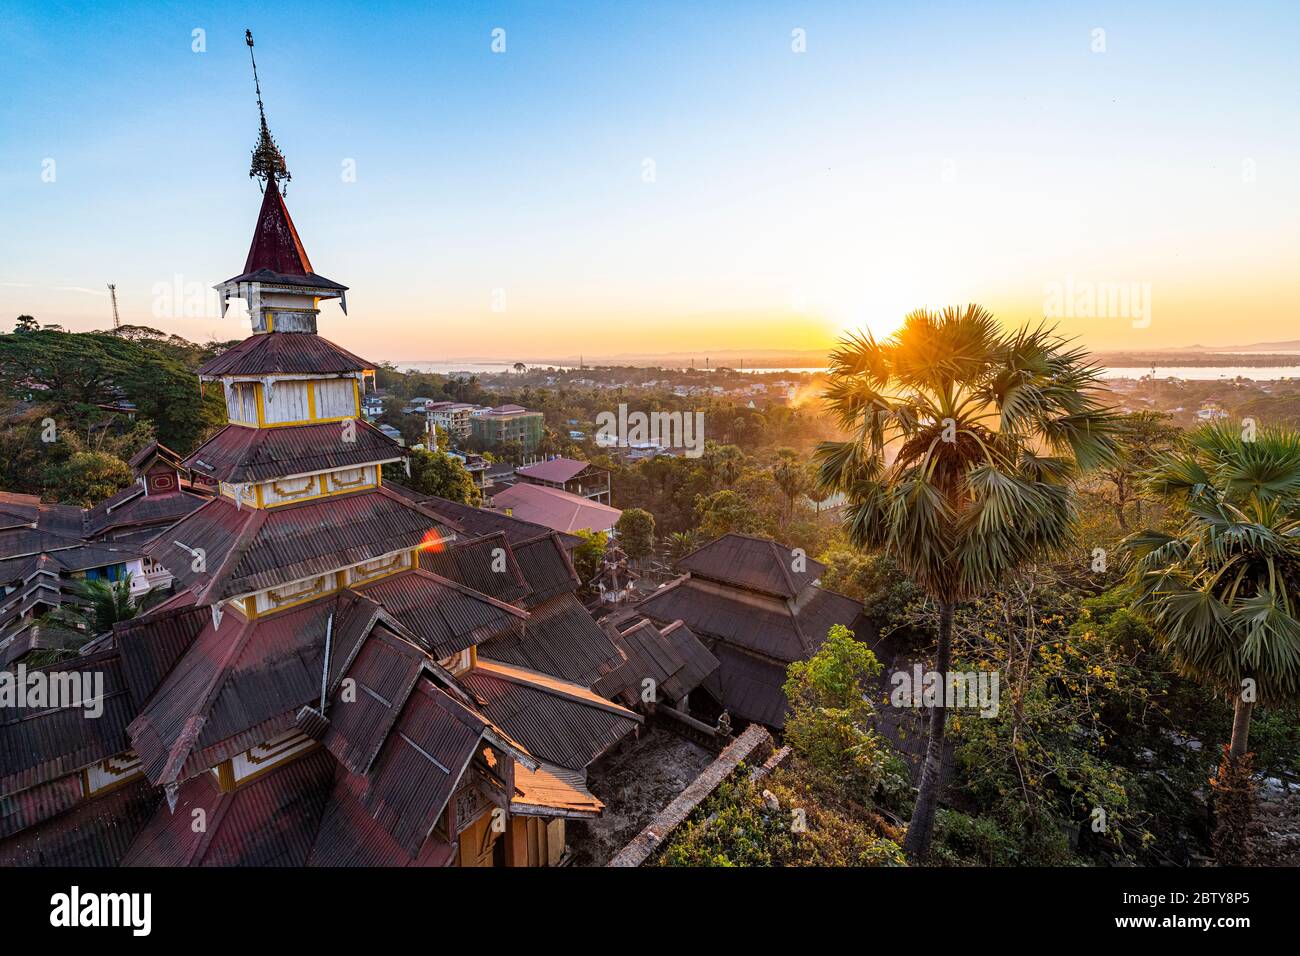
column 268, row 162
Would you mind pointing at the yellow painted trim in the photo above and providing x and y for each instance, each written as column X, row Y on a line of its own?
column 270, row 322
column 305, row 421
column 323, row 484
column 261, row 409
column 252, row 598
column 328, row 494
column 311, row 399
column 226, row 776
column 257, row 489
column 356, row 399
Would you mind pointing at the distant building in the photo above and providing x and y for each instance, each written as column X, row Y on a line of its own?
column 391, row 432
column 554, row 509
column 1211, row 412
column 507, row 423
column 579, row 478
column 451, row 417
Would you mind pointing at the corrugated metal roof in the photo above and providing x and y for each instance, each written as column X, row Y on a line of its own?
column 479, row 521
column 96, row 833
column 756, row 564
column 349, row 835
column 560, row 722
column 287, row 353
column 39, row 744
column 360, row 715
column 485, row 564
column 237, row 454
column 675, row 660
column 560, row 638
column 546, row 566
column 556, row 509
column 420, row 764
column 749, row 687
column 448, row 616
column 555, row 469
column 251, row 549
column 550, row 790
column 152, row 643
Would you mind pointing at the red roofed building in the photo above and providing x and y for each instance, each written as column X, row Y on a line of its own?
column 315, row 687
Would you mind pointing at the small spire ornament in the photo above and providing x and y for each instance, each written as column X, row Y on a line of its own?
column 268, row 162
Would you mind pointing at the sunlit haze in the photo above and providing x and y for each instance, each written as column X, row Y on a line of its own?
column 643, row 179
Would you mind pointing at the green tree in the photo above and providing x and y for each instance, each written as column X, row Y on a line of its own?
column 436, row 473
column 588, row 554
column 1143, row 437
column 1222, row 590
column 636, row 533
column 26, row 323
column 984, row 430
column 87, row 478
column 723, row 512
column 830, row 721
column 790, row 476
column 100, row 604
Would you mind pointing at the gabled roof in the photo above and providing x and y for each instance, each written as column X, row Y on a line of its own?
column 552, row 791
column 38, row 744
column 673, row 659
column 547, row 567
column 249, row 549
column 480, row 521
column 237, row 454
column 284, row 353
column 94, row 833
column 756, row 564
column 132, row 507
column 748, row 687
column 276, row 254
column 558, row 721
column 485, row 564
column 556, row 469
column 560, row 638
column 779, row 629
column 556, row 509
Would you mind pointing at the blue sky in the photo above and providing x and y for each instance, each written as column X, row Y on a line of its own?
column 914, row 156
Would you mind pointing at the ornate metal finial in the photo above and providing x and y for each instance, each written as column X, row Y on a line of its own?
column 268, row 161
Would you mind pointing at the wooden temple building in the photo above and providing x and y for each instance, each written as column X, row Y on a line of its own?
column 348, row 673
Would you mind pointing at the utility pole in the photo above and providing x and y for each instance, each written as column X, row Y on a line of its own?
column 112, row 292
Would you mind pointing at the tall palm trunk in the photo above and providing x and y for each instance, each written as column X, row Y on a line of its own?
column 921, row 827
column 1234, row 793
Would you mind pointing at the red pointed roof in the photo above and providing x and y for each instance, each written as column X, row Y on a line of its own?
column 276, row 246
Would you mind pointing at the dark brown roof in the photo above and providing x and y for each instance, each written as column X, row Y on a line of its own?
column 270, row 821
column 139, row 509
column 674, row 659
column 755, row 564
column 238, row 454
column 95, row 833
column 151, row 644
column 485, row 564
column 383, row 675
column 761, row 623
column 350, row 836
column 560, row 722
column 547, row 567
column 39, row 744
column 420, row 764
column 447, row 617
column 249, row 549
column 749, row 687
column 561, row 639
column 284, row 353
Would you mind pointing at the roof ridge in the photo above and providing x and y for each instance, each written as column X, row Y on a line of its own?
column 506, row 671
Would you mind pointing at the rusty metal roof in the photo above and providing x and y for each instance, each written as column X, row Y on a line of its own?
column 96, row 833
column 447, row 616
column 237, row 454
column 485, row 564
column 547, row 567
column 560, row 638
column 250, row 549
column 38, row 743
column 360, row 715
column 756, row 564
column 558, row 721
column 674, row 659
column 284, row 353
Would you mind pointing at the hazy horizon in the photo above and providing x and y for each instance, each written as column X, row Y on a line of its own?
column 1137, row 180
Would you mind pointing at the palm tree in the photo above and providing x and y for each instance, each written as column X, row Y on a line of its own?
column 682, row 543
column 1223, row 591
column 789, row 476
column 100, row 604
column 964, row 440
